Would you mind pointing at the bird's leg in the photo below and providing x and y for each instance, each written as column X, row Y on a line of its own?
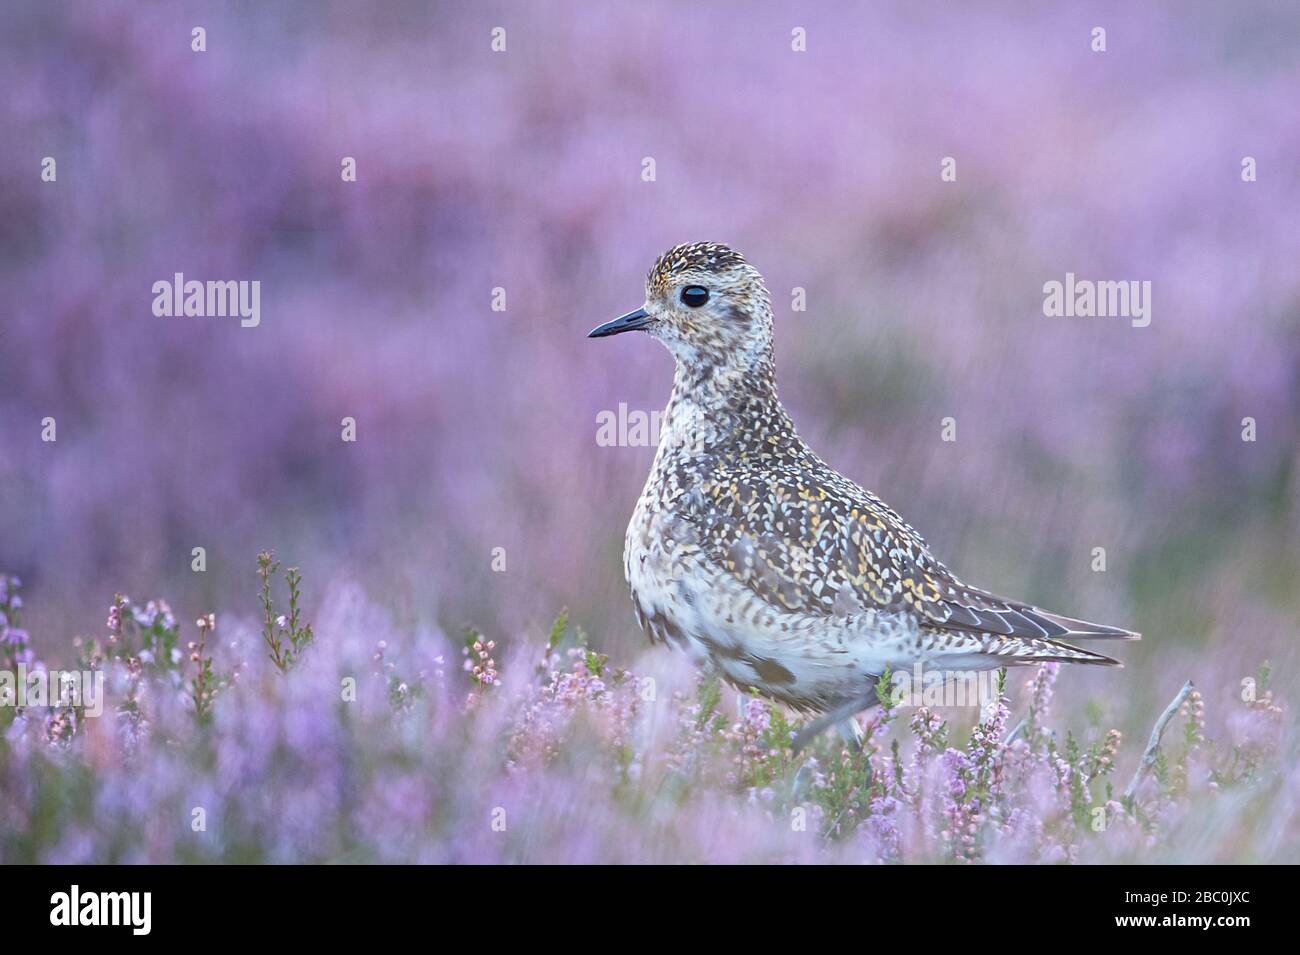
column 851, row 732
column 842, row 713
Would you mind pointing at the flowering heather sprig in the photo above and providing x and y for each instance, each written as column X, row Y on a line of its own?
column 286, row 637
column 402, row 692
column 1193, row 713
column 547, row 721
column 846, row 797
column 1256, row 730
column 853, row 778
column 974, row 791
column 1076, row 781
column 1040, row 702
column 114, row 622
column 203, row 687
column 1102, row 759
column 64, row 719
column 930, row 735
column 13, row 638
column 700, row 727
column 961, row 807
column 128, row 670
column 479, row 662
column 1263, row 722
column 930, row 731
column 148, row 634
column 760, row 740
column 887, row 808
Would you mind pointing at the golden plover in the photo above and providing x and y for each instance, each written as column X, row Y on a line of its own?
column 752, row 553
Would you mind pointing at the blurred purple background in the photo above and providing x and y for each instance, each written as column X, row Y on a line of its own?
column 477, row 429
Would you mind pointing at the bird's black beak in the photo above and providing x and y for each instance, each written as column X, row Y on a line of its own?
column 624, row 323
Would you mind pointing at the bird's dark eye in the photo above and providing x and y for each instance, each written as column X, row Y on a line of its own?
column 695, row 295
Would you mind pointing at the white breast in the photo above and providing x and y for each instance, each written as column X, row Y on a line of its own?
column 808, row 661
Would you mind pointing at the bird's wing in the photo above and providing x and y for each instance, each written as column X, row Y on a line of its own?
column 812, row 541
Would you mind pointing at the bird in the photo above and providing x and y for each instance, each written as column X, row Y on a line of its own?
column 763, row 562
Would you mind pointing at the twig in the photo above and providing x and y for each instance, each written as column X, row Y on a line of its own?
column 1153, row 747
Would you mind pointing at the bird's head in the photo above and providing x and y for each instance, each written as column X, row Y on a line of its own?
column 707, row 305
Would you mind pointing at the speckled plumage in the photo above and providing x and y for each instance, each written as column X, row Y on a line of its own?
column 748, row 550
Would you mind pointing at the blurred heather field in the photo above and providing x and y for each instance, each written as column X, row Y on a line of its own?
column 477, row 428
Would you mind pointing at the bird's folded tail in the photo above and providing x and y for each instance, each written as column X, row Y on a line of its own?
column 1085, row 630
column 1024, row 651
column 970, row 609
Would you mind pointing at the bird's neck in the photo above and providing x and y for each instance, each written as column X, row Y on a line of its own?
column 715, row 405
